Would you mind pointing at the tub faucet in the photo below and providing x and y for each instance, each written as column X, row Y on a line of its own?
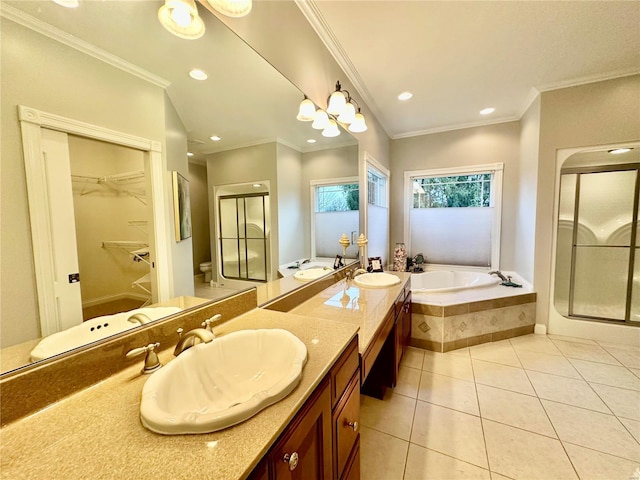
column 188, row 340
column 499, row 273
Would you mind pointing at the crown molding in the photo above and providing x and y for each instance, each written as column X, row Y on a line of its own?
column 450, row 128
column 313, row 15
column 601, row 77
column 43, row 28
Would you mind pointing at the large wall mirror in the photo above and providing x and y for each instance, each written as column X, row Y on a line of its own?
column 112, row 64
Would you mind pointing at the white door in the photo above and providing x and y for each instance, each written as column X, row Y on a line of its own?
column 57, row 165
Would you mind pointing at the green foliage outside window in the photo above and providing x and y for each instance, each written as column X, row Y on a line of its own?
column 337, row 198
column 453, row 191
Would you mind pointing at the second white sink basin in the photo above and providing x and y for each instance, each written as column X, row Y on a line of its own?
column 376, row 280
column 216, row 385
column 311, row 273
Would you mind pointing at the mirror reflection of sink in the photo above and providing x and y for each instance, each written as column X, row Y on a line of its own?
column 376, row 280
column 95, row 329
column 311, row 273
column 216, row 385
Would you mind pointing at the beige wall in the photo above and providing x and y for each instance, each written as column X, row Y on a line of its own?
column 199, row 215
column 291, row 215
column 525, row 227
column 43, row 74
column 471, row 146
column 595, row 114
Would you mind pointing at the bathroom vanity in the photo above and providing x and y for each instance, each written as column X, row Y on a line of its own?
column 313, row 433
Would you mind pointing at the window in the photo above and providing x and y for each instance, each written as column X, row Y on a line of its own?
column 337, row 198
column 454, row 215
column 335, row 211
column 376, row 188
column 454, row 191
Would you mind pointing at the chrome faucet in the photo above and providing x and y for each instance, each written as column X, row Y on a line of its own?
column 140, row 318
column 188, row 340
column 499, row 273
column 351, row 274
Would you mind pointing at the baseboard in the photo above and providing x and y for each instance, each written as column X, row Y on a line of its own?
column 540, row 329
column 112, row 298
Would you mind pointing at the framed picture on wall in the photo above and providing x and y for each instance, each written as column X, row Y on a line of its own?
column 181, row 207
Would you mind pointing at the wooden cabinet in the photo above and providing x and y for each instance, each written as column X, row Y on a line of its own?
column 304, row 450
column 323, row 440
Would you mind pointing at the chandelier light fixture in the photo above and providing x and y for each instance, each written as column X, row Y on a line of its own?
column 181, row 18
column 231, row 8
column 341, row 109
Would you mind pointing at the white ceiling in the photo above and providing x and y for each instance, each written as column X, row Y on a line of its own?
column 459, row 57
column 456, row 58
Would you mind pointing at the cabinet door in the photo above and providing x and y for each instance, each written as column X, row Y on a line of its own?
column 304, row 451
column 406, row 321
column 346, row 426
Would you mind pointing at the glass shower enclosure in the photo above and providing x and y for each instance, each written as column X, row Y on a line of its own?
column 597, row 271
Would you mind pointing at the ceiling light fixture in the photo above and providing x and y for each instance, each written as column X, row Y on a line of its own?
column 198, row 74
column 67, row 3
column 257, row 185
column 618, row 151
column 487, row 111
column 231, row 8
column 340, row 110
column 215, row 138
column 311, row 140
column 404, row 96
column 181, row 18
column 189, row 154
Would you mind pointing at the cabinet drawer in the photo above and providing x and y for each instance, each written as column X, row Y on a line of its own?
column 343, row 370
column 347, row 426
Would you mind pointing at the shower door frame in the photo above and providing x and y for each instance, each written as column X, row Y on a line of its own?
column 265, row 196
column 578, row 171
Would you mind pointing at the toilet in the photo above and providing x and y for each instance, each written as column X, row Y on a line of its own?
column 205, row 267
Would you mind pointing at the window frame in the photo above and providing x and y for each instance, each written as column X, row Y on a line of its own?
column 495, row 201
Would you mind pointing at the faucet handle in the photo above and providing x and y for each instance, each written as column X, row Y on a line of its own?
column 207, row 323
column 151, row 360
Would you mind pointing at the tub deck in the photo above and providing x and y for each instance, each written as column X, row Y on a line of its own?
column 451, row 320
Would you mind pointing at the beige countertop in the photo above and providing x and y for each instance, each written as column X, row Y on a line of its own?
column 364, row 308
column 97, row 433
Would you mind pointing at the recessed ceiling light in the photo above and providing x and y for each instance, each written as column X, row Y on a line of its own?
column 67, row 3
column 487, row 111
column 189, row 154
column 618, row 151
column 198, row 74
column 405, row 96
column 215, row 138
column 257, row 185
column 311, row 140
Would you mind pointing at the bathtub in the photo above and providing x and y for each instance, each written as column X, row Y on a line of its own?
column 457, row 309
column 450, row 281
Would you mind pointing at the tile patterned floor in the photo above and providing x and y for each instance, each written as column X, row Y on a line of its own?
column 530, row 408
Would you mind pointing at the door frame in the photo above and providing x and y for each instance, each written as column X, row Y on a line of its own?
column 31, row 123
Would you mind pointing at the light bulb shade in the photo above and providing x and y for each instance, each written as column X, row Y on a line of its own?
column 181, row 18
column 321, row 120
column 337, row 103
column 332, row 130
column 358, row 125
column 307, row 111
column 349, row 114
column 231, row 8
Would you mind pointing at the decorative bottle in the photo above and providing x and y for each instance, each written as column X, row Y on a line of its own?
column 399, row 257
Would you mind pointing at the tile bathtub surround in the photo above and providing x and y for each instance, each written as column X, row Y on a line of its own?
column 68, row 374
column 97, row 432
column 445, row 328
column 498, row 410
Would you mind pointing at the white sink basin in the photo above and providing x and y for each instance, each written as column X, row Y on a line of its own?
column 311, row 274
column 215, row 385
column 376, row 280
column 94, row 330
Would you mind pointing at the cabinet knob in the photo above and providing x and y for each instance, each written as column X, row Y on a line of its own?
column 291, row 459
column 353, row 425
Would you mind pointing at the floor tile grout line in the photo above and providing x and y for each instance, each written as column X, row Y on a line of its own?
column 413, row 421
column 599, row 451
column 452, row 457
column 484, row 435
